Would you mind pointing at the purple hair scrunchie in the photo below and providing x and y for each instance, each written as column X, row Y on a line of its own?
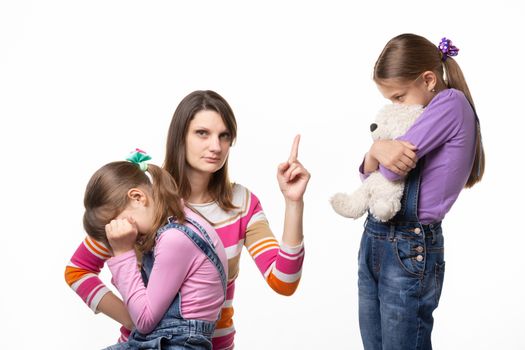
column 447, row 49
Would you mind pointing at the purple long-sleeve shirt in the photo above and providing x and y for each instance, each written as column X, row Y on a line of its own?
column 445, row 134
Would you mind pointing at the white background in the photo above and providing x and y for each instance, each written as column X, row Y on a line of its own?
column 84, row 82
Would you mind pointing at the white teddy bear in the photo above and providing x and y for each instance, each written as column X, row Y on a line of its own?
column 377, row 194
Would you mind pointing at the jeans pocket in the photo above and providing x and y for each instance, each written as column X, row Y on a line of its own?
column 198, row 341
column 410, row 254
column 149, row 342
column 440, row 277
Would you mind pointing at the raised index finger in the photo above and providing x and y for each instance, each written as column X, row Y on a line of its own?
column 295, row 149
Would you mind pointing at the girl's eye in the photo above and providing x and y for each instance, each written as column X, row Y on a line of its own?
column 399, row 98
column 201, row 132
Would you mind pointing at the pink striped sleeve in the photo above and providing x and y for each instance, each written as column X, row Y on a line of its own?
column 81, row 275
column 82, row 271
column 281, row 265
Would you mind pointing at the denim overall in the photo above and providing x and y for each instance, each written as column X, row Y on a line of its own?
column 401, row 270
column 173, row 332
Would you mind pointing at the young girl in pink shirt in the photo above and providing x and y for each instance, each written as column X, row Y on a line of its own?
column 167, row 262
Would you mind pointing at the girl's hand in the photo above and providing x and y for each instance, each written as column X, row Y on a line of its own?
column 292, row 176
column 121, row 234
column 397, row 156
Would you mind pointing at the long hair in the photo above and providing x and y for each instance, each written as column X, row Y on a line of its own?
column 406, row 56
column 219, row 187
column 106, row 197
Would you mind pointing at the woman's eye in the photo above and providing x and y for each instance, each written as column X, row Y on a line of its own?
column 226, row 136
column 201, row 132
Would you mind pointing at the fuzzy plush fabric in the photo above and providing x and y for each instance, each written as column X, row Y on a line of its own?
column 377, row 194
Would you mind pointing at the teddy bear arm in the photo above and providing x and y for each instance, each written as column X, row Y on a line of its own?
column 352, row 205
column 385, row 198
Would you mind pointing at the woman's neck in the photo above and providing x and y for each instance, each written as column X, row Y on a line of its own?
column 199, row 188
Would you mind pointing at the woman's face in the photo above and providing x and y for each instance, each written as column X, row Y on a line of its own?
column 208, row 142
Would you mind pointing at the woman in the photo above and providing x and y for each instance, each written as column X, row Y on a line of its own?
column 201, row 133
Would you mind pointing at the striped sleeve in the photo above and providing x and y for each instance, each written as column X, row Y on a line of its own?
column 82, row 271
column 281, row 265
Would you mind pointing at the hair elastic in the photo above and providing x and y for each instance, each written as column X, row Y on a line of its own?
column 140, row 157
column 447, row 49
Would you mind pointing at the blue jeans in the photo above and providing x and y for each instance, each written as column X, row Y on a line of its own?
column 401, row 270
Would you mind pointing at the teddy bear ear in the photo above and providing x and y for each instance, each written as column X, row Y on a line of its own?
column 373, row 126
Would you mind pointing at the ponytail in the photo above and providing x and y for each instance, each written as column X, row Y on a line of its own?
column 456, row 80
column 168, row 203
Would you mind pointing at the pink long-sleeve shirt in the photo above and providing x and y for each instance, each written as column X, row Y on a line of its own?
column 179, row 266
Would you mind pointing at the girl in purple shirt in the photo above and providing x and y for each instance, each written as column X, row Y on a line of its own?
column 401, row 262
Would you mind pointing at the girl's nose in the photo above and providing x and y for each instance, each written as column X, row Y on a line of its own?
column 373, row 126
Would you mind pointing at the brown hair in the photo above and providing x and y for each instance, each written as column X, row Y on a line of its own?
column 407, row 56
column 106, row 197
column 220, row 187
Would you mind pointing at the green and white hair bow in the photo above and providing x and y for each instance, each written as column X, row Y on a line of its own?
column 139, row 157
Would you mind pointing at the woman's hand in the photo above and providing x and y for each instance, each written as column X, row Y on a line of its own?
column 397, row 156
column 292, row 176
column 121, row 234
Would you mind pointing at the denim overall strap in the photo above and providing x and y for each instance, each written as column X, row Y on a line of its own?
column 206, row 246
column 203, row 231
column 147, row 265
column 409, row 201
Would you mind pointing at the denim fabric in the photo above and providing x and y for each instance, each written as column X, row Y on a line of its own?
column 175, row 334
column 401, row 270
column 173, row 331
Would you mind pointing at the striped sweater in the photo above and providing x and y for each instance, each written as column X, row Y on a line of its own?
column 246, row 226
